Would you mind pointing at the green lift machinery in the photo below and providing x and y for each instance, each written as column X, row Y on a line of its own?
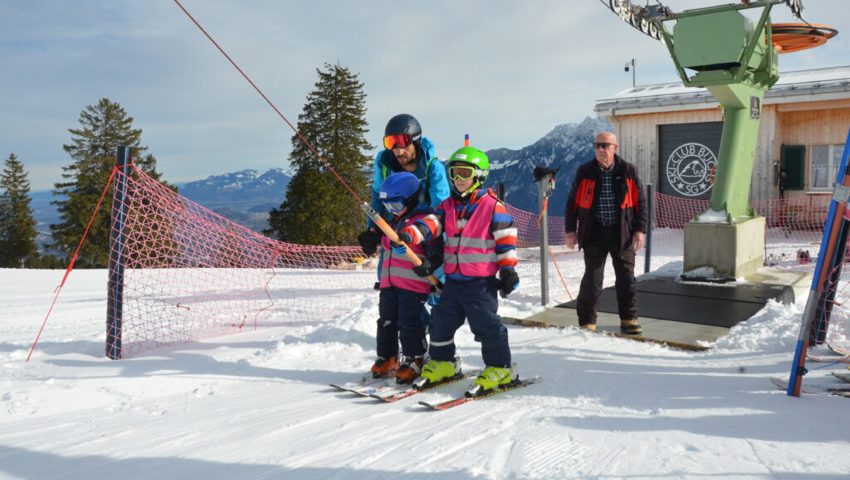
column 735, row 59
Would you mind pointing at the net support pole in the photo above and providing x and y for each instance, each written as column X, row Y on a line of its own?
column 115, row 286
column 649, row 210
column 544, row 189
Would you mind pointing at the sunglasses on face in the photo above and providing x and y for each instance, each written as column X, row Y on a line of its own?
column 394, row 141
column 602, row 145
column 461, row 173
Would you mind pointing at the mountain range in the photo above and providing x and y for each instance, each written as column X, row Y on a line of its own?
column 247, row 196
column 562, row 149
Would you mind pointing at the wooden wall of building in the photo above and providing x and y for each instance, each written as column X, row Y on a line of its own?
column 811, row 123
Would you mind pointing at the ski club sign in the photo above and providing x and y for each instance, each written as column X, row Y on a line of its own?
column 687, row 158
column 690, row 169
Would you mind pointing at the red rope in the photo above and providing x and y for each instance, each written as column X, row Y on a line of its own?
column 73, row 261
column 263, row 95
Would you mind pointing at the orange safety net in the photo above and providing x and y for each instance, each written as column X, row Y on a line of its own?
column 189, row 273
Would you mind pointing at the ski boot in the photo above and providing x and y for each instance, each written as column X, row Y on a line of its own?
column 491, row 378
column 409, row 369
column 384, row 367
column 437, row 371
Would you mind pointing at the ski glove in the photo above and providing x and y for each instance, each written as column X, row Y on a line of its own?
column 399, row 249
column 428, row 266
column 508, row 281
column 425, row 269
column 369, row 241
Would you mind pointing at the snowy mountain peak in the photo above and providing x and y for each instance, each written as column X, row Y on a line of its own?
column 564, row 147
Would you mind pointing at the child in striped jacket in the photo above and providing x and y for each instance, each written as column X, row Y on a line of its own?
column 480, row 243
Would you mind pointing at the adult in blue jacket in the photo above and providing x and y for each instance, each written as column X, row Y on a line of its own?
column 405, row 150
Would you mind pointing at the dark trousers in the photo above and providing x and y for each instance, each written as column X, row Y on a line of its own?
column 605, row 241
column 401, row 319
column 477, row 302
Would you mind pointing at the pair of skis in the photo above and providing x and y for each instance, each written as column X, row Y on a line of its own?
column 387, row 391
column 467, row 397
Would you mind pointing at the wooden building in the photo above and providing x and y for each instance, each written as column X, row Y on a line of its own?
column 672, row 133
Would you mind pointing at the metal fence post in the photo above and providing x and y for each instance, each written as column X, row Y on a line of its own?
column 649, row 217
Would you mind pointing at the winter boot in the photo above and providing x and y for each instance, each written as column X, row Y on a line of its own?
column 384, row 367
column 493, row 377
column 630, row 326
column 409, row 369
column 436, row 371
column 587, row 326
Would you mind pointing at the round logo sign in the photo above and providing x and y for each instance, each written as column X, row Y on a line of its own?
column 689, row 169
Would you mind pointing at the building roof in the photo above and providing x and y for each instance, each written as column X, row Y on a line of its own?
column 792, row 87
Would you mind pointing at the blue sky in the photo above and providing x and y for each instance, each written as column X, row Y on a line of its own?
column 504, row 71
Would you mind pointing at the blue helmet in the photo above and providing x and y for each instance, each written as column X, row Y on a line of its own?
column 400, row 193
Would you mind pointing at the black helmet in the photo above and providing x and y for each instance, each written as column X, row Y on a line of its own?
column 404, row 124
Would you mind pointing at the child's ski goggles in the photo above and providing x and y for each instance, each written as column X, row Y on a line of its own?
column 395, row 206
column 461, row 172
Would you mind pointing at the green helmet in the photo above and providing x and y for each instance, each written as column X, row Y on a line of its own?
column 474, row 157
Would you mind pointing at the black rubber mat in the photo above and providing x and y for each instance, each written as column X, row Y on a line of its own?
column 699, row 303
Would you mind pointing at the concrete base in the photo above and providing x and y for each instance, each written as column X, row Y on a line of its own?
column 735, row 250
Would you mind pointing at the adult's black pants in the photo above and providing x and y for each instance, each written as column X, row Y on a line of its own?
column 605, row 241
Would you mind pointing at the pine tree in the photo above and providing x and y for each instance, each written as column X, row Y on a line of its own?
column 103, row 127
column 318, row 209
column 17, row 226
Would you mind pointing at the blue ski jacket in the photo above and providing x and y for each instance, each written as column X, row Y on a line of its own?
column 429, row 170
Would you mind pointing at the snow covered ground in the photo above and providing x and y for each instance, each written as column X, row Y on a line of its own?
column 257, row 405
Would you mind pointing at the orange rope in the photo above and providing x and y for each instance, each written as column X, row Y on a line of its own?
column 303, row 139
column 72, row 262
column 549, row 249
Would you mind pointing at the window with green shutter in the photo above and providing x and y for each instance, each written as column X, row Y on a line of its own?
column 794, row 166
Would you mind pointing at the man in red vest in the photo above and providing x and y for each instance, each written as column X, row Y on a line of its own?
column 608, row 202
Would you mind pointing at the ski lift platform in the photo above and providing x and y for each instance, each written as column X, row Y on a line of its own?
column 685, row 315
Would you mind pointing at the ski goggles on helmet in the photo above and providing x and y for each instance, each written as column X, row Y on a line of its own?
column 461, row 172
column 395, row 206
column 400, row 140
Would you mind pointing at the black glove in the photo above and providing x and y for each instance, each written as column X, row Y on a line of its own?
column 428, row 266
column 369, row 241
column 508, row 281
column 425, row 269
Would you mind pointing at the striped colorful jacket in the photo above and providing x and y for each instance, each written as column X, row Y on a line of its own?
column 480, row 236
column 397, row 270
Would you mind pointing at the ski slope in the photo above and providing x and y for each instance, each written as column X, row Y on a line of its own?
column 257, row 405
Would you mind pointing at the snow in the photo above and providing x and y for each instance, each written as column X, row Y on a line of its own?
column 257, row 405
column 713, row 216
